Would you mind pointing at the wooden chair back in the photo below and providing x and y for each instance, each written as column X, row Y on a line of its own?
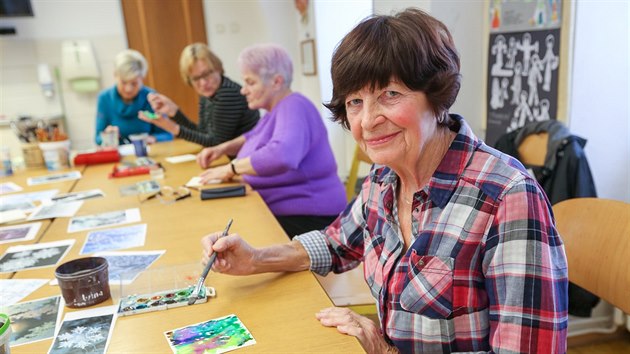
column 533, row 149
column 359, row 157
column 596, row 235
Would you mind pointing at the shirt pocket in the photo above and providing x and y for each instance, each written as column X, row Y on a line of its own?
column 429, row 291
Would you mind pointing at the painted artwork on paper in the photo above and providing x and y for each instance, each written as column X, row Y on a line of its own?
column 34, row 320
column 23, row 232
column 110, row 218
column 214, row 336
column 114, row 239
column 14, row 290
column 124, row 267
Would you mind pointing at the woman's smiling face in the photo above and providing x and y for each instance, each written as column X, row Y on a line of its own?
column 391, row 124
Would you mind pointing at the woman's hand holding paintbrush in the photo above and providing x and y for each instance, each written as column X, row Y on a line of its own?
column 202, row 278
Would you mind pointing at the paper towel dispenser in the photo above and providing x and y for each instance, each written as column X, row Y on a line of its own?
column 79, row 65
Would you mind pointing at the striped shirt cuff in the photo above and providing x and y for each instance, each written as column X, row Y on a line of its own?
column 314, row 243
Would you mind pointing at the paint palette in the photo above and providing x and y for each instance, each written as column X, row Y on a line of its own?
column 163, row 300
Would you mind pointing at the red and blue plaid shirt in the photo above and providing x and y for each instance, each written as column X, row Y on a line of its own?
column 485, row 269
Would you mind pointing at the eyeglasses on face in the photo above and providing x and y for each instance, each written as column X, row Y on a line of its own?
column 203, row 76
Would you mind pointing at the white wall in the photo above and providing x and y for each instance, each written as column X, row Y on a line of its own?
column 600, row 93
column 234, row 25
column 333, row 21
column 38, row 40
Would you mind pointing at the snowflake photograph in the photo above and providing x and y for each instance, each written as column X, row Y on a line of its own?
column 33, row 256
column 83, row 335
column 34, row 320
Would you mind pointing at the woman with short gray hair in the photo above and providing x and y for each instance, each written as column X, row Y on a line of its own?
column 118, row 106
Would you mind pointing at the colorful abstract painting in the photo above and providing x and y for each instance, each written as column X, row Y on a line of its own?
column 219, row 335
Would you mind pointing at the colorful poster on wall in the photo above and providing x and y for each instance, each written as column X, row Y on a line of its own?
column 523, row 64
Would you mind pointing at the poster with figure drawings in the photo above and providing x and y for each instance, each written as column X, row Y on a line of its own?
column 523, row 64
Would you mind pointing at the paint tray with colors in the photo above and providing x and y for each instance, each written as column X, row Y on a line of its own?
column 163, row 300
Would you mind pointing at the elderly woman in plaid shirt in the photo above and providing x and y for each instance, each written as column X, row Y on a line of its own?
column 457, row 241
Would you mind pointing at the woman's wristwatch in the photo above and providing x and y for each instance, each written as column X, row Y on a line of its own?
column 232, row 165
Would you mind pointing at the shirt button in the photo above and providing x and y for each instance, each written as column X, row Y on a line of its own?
column 421, row 263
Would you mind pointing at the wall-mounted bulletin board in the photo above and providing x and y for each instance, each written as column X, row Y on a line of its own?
column 528, row 53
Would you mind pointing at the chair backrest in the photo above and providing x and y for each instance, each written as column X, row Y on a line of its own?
column 533, row 149
column 596, row 235
column 359, row 156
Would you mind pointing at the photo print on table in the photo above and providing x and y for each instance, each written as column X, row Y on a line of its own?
column 24, row 201
column 14, row 290
column 114, row 239
column 57, row 210
column 9, row 187
column 111, row 218
column 124, row 267
column 87, row 331
column 69, row 197
column 35, row 320
column 53, row 178
column 39, row 255
column 22, row 232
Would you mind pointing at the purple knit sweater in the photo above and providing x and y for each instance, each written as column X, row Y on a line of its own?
column 297, row 172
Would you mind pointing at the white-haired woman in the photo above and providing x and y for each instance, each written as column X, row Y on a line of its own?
column 118, row 106
column 287, row 157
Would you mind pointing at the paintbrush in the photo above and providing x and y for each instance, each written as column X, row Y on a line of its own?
column 202, row 278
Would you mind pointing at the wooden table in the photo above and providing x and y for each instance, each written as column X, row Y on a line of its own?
column 278, row 308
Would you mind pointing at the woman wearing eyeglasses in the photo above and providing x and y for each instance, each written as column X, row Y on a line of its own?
column 223, row 112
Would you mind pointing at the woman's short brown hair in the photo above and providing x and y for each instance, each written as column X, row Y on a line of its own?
column 194, row 52
column 411, row 47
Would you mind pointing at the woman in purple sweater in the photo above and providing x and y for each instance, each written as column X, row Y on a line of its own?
column 287, row 157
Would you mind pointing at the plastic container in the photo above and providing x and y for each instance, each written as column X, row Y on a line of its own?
column 5, row 334
column 139, row 142
column 84, row 281
column 109, row 139
column 56, row 154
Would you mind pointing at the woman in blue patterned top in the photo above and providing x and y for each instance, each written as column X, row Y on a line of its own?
column 118, row 106
column 223, row 112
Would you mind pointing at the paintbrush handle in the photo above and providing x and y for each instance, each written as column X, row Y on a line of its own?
column 213, row 257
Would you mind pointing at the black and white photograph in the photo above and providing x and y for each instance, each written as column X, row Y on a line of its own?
column 87, row 331
column 111, row 218
column 39, row 255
